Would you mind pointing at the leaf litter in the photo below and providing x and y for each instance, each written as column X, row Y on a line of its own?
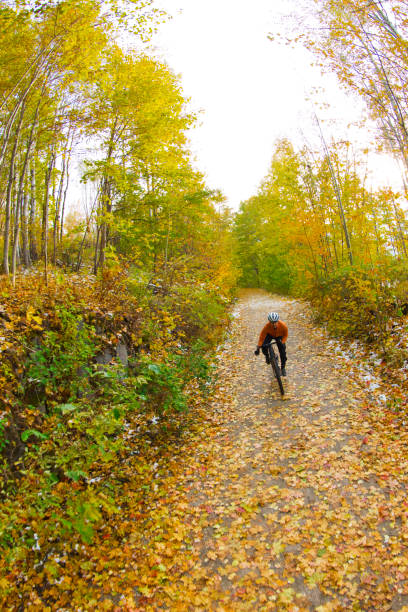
column 265, row 504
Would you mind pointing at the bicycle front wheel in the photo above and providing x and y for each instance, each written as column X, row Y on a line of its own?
column 276, row 370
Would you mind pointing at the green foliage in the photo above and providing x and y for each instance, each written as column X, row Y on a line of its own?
column 349, row 301
column 276, row 274
column 164, row 386
column 162, row 389
column 89, row 434
column 3, row 441
column 196, row 365
column 202, row 311
column 55, row 364
column 86, row 510
column 32, row 432
column 69, row 473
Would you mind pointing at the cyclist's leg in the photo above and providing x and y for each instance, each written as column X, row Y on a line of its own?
column 264, row 348
column 282, row 352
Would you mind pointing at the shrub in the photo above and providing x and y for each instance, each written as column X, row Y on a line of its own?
column 161, row 386
column 361, row 302
column 54, row 366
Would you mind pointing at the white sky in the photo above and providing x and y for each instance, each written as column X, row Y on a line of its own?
column 251, row 90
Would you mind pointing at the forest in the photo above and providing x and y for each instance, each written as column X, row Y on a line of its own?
column 120, row 267
column 316, row 227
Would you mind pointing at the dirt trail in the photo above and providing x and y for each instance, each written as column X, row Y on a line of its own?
column 293, row 504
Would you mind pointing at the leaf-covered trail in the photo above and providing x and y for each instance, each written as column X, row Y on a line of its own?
column 284, row 505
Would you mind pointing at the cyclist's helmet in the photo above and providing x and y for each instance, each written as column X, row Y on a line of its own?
column 273, row 317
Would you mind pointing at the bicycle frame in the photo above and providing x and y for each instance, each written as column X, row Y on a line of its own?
column 275, row 364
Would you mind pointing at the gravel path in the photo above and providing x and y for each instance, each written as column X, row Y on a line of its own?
column 294, row 504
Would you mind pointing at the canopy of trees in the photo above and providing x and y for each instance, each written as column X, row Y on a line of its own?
column 314, row 227
column 364, row 43
column 66, row 88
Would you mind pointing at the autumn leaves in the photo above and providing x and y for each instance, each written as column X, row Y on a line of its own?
column 69, row 95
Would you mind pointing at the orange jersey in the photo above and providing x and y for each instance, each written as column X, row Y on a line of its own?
column 279, row 329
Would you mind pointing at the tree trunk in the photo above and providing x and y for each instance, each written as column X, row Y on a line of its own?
column 22, row 210
column 62, row 196
column 20, row 104
column 338, row 195
column 15, row 240
column 32, row 235
column 55, row 229
column 24, row 231
column 64, row 199
column 45, row 219
column 11, row 178
column 96, row 253
column 106, row 204
column 86, row 232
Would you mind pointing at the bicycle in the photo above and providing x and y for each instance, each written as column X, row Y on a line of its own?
column 273, row 358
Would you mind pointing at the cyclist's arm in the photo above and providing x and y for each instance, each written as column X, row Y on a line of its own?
column 263, row 335
column 284, row 331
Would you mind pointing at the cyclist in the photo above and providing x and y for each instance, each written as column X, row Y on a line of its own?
column 279, row 331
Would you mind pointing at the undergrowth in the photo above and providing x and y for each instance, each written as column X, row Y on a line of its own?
column 365, row 303
column 69, row 424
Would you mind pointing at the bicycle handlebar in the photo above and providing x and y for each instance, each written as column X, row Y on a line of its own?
column 273, row 341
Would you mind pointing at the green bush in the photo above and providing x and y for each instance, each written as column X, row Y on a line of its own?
column 196, row 366
column 54, row 365
column 162, row 386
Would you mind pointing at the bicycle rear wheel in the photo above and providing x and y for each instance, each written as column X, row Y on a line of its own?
column 276, row 369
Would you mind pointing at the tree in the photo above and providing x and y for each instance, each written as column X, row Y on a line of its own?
column 52, row 55
column 309, row 214
column 364, row 43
